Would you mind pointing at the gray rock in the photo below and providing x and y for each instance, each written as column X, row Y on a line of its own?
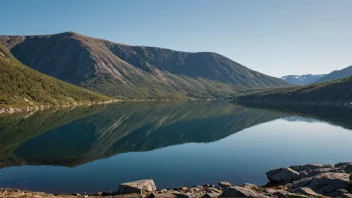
column 182, row 189
column 282, row 175
column 346, row 195
column 196, row 189
column 238, row 191
column 250, row 186
column 211, row 189
column 147, row 185
column 342, row 164
column 210, row 195
column 321, row 170
column 303, row 174
column 305, row 167
column 162, row 195
column 348, row 169
column 295, row 195
column 305, row 191
column 325, row 183
column 186, row 195
column 279, row 193
column 224, row 185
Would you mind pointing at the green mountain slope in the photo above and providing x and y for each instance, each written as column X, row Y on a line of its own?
column 23, row 87
column 337, row 91
column 343, row 73
column 133, row 71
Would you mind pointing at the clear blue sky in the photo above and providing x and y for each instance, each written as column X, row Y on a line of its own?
column 274, row 37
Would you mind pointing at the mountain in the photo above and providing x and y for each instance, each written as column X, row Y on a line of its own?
column 302, row 79
column 23, row 87
column 337, row 74
column 125, row 71
column 331, row 92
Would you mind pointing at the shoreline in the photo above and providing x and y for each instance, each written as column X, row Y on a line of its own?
column 309, row 180
column 30, row 109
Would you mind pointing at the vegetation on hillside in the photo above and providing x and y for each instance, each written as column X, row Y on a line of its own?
column 135, row 72
column 337, row 91
column 23, row 87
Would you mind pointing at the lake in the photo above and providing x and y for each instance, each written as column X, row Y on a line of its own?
column 92, row 149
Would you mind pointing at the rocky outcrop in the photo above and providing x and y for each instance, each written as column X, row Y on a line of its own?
column 303, row 181
column 282, row 175
column 140, row 186
column 238, row 191
column 224, row 184
column 305, row 191
column 325, row 183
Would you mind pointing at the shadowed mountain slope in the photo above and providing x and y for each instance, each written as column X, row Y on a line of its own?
column 343, row 73
column 23, row 87
column 133, row 71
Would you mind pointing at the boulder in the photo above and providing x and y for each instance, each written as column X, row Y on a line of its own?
column 210, row 195
column 238, row 191
column 147, row 185
column 186, row 195
column 282, row 175
column 306, row 167
column 325, row 183
column 323, row 170
column 342, row 164
column 212, row 190
column 250, row 186
column 224, row 185
column 305, row 191
column 295, row 195
column 348, row 169
column 162, row 195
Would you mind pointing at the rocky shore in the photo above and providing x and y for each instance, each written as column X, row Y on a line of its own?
column 310, row 180
column 46, row 107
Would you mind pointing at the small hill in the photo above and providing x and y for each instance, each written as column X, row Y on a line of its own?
column 135, row 72
column 332, row 92
column 343, row 73
column 302, row 79
column 23, row 87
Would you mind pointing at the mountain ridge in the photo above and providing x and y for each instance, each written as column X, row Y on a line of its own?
column 336, row 92
column 304, row 79
column 135, row 72
column 337, row 74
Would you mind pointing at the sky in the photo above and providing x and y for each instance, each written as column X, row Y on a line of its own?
column 274, row 37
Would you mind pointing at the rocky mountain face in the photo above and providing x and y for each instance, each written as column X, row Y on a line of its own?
column 125, row 71
column 302, row 79
column 337, row 74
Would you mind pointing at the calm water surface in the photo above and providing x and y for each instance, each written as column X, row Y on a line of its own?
column 176, row 144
